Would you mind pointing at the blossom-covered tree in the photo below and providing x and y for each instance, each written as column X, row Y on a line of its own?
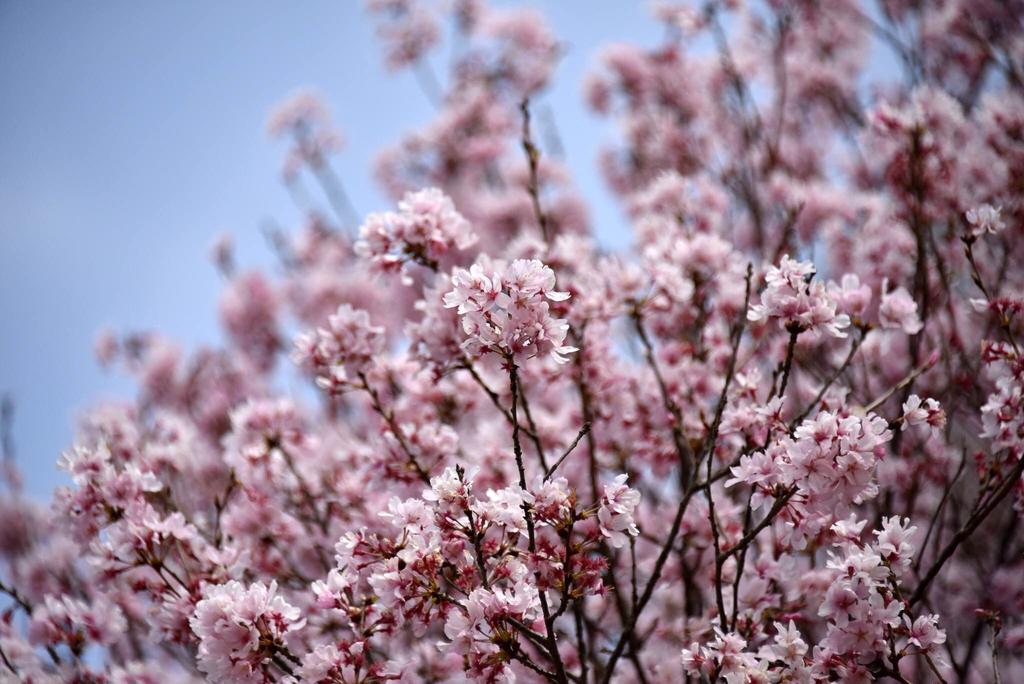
column 781, row 440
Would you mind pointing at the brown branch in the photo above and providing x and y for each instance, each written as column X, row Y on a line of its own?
column 496, row 400
column 551, row 471
column 905, row 382
column 787, row 364
column 964, row 532
column 832, row 379
column 629, row 631
column 675, row 415
column 396, row 429
column 552, row 645
column 533, row 160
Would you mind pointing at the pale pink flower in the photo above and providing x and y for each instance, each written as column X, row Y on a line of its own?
column 336, row 355
column 853, row 297
column 615, row 514
column 985, row 219
column 789, row 646
column 798, row 301
column 894, row 543
column 503, row 507
column 923, row 412
column 925, row 633
column 505, row 309
column 240, row 629
column 449, row 489
column 898, row 311
column 424, row 230
column 551, row 499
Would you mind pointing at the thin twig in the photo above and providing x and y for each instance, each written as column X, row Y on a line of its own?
column 832, row 379
column 787, row 365
column 675, row 415
column 551, row 471
column 552, row 645
column 905, row 382
column 1004, row 321
column 533, row 160
column 396, row 429
column 972, row 524
column 628, row 632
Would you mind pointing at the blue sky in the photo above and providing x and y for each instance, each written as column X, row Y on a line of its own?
column 132, row 134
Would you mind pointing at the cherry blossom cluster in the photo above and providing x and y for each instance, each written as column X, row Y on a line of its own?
column 824, row 469
column 782, row 660
column 306, row 120
column 455, row 557
column 799, row 302
column 242, row 630
column 779, row 438
column 506, row 309
column 343, row 350
column 869, row 623
column 423, row 230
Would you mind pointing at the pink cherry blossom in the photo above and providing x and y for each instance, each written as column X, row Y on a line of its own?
column 241, row 629
column 616, row 511
column 505, row 309
column 923, row 412
column 898, row 310
column 773, row 434
column 337, row 354
column 798, row 301
column 985, row 219
column 424, row 230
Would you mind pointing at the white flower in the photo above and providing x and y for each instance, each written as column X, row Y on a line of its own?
column 985, row 219
column 615, row 514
